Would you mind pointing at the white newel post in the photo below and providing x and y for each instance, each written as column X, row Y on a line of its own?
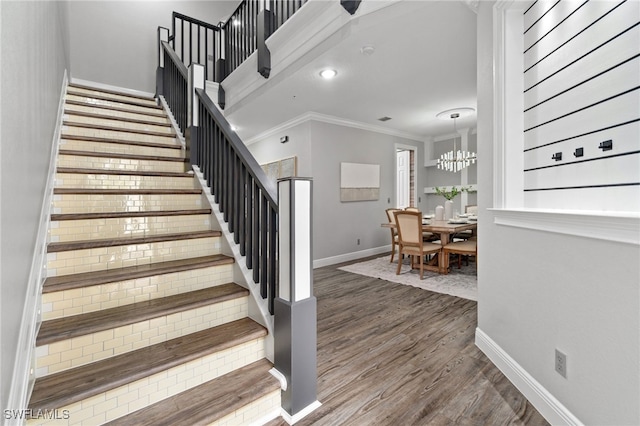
column 196, row 80
column 295, row 307
column 163, row 35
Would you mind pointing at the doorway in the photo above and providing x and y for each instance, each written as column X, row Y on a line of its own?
column 405, row 177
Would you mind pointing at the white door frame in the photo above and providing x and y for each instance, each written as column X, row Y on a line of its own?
column 402, row 147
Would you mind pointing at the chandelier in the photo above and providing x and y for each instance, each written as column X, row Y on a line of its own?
column 456, row 160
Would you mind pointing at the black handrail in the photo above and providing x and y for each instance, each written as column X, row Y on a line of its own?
column 246, row 197
column 175, row 85
column 201, row 51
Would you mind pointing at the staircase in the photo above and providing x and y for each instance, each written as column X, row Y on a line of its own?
column 141, row 322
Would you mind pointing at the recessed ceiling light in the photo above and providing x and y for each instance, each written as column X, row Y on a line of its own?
column 328, row 74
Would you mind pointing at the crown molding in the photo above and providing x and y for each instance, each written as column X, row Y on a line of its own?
column 329, row 119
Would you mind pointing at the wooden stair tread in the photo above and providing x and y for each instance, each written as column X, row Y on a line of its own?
column 114, row 118
column 151, row 113
column 69, row 386
column 111, row 92
column 88, row 279
column 131, row 101
column 99, row 154
column 119, row 141
column 209, row 401
column 74, row 170
column 111, row 242
column 58, row 329
column 89, row 191
column 118, row 129
column 116, row 215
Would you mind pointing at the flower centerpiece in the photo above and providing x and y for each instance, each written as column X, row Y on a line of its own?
column 449, row 195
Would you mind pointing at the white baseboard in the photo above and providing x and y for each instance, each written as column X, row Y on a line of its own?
column 319, row 263
column 123, row 90
column 550, row 408
column 300, row 414
column 24, row 366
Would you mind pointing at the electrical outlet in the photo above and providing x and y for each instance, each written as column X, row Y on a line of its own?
column 358, row 241
column 561, row 363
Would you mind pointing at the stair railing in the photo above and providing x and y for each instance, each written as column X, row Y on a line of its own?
column 195, row 41
column 246, row 197
column 172, row 80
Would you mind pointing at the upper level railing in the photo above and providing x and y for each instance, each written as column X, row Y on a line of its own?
column 195, row 41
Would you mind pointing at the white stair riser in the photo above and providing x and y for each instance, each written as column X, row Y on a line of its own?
column 107, row 181
column 119, row 135
column 93, row 347
column 254, row 412
column 89, row 101
column 118, row 402
column 100, row 259
column 92, row 229
column 124, row 125
column 70, row 108
column 116, row 148
column 100, row 203
column 89, row 299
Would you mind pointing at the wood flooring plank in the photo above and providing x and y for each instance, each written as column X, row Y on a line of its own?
column 69, row 123
column 87, row 279
column 390, row 354
column 151, row 112
column 55, row 330
column 69, row 386
column 92, row 191
column 111, row 92
column 115, row 215
column 131, row 101
column 148, row 144
column 208, row 402
column 124, row 156
column 111, row 117
column 111, row 242
column 116, row 172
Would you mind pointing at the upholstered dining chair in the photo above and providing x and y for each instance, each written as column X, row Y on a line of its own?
column 462, row 248
column 394, row 231
column 410, row 241
column 411, row 209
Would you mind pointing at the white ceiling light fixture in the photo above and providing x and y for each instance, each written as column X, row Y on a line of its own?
column 328, row 73
column 456, row 160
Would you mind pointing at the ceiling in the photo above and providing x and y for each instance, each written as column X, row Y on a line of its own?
column 424, row 62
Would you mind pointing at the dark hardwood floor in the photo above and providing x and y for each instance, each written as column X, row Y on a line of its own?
column 390, row 354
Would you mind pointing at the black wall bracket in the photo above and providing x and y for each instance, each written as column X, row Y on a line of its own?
column 350, row 5
column 606, row 145
column 579, row 152
column 557, row 156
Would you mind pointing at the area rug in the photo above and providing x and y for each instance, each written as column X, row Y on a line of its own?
column 461, row 282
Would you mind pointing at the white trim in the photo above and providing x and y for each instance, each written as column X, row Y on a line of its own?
column 174, row 123
column 620, row 227
column 103, row 86
column 324, row 118
column 347, row 257
column 24, row 366
column 280, row 377
column 550, row 408
column 300, row 414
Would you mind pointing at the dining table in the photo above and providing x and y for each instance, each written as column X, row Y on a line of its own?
column 446, row 229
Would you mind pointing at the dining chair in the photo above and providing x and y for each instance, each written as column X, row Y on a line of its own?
column 462, row 248
column 410, row 240
column 411, row 209
column 394, row 232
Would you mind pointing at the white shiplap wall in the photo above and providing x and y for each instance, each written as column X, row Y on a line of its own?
column 582, row 87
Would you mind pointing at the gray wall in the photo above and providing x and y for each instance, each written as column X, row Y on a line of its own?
column 33, row 60
column 538, row 291
column 338, row 225
column 114, row 42
column 320, row 148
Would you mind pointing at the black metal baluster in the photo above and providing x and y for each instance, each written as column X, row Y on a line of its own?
column 264, row 215
column 272, row 258
column 256, row 232
column 249, row 227
column 242, row 212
